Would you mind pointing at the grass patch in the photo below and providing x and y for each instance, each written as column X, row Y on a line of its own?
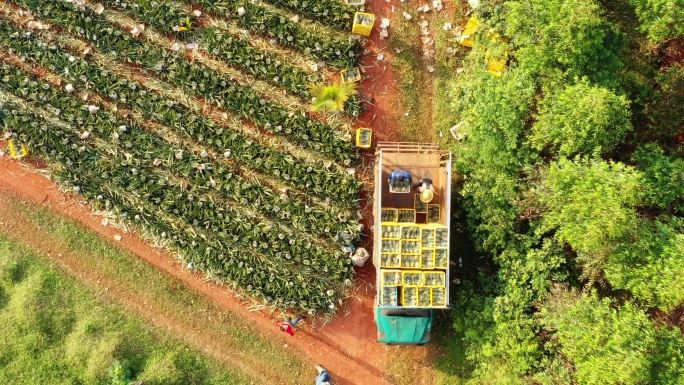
column 161, row 291
column 57, row 332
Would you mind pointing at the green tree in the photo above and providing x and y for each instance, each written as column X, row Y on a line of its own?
column 653, row 266
column 564, row 39
column 612, row 345
column 660, row 19
column 664, row 176
column 591, row 203
column 580, row 119
column 332, row 97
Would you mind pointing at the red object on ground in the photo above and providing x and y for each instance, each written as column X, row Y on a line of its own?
column 288, row 328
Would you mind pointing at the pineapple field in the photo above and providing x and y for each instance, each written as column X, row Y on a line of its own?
column 191, row 123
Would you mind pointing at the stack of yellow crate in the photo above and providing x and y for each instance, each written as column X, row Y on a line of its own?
column 413, row 258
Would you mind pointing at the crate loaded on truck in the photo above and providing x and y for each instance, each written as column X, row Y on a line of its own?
column 411, row 242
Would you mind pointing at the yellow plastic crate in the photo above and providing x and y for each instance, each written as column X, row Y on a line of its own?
column 13, row 150
column 410, row 261
column 389, row 296
column 433, row 214
column 364, row 137
column 424, row 296
column 468, row 36
column 434, row 278
column 412, row 278
column 441, row 236
column 410, row 247
column 390, row 231
column 410, row 232
column 409, row 296
column 390, row 260
column 390, row 277
column 420, row 207
column 363, row 23
column 427, row 259
column 427, row 237
column 441, row 258
column 350, row 76
column 390, row 246
column 438, row 296
column 406, row 215
column 355, row 2
column 389, row 215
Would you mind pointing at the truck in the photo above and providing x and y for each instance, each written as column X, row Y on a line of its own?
column 411, row 241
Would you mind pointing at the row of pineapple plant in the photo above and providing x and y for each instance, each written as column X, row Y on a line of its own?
column 210, row 228
column 197, row 170
column 219, row 218
column 336, row 50
column 47, row 54
column 173, row 67
column 331, row 13
column 228, row 48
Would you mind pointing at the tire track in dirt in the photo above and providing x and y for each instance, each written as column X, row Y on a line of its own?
column 347, row 346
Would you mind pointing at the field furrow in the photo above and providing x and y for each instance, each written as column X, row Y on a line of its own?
column 330, row 13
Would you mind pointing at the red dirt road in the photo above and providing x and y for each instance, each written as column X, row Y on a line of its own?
column 348, row 345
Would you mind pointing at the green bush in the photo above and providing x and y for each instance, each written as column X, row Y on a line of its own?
column 591, row 203
column 660, row 19
column 581, row 118
column 612, row 345
column 663, row 175
column 652, row 267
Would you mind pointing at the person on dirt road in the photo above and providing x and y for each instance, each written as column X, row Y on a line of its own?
column 288, row 326
column 323, row 377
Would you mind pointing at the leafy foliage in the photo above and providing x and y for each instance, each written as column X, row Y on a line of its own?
column 591, row 203
column 660, row 19
column 332, row 97
column 610, row 345
column 581, row 118
column 663, row 176
column 564, row 39
column 652, row 267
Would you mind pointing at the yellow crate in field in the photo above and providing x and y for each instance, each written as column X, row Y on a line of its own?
column 434, row 278
column 391, row 260
column 389, row 296
column 389, row 215
column 406, row 215
column 350, row 76
column 364, row 137
column 468, row 36
column 427, row 237
column 363, row 23
column 390, row 277
column 410, row 232
column 438, row 296
column 427, row 259
column 412, row 278
column 424, row 296
column 433, row 214
column 390, row 230
column 441, row 258
column 409, row 296
column 410, row 261
column 418, row 205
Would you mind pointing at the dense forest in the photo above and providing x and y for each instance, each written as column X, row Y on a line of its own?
column 571, row 182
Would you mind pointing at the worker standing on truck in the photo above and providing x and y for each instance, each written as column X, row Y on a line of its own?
column 323, row 377
column 399, row 176
column 426, row 190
